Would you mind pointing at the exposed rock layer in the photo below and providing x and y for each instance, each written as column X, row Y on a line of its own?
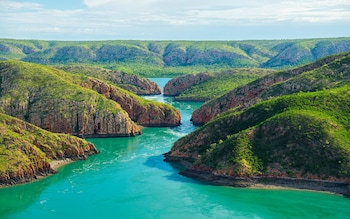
column 301, row 138
column 270, row 182
column 26, row 150
column 273, row 85
column 177, row 85
column 141, row 111
column 55, row 104
column 130, row 82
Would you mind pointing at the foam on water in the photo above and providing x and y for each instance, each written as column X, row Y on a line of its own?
column 129, row 179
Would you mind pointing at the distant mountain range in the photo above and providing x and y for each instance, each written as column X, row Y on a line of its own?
column 163, row 54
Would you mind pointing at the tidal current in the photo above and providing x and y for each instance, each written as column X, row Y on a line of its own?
column 129, row 179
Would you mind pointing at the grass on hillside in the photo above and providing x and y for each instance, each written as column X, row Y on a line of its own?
column 24, row 146
column 294, row 135
column 222, row 83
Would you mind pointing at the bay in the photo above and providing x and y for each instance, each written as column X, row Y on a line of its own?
column 129, row 179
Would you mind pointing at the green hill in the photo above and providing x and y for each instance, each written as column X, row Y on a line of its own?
column 130, row 82
column 290, row 128
column 325, row 73
column 26, row 150
column 77, row 104
column 304, row 135
column 214, row 85
column 174, row 58
column 42, row 96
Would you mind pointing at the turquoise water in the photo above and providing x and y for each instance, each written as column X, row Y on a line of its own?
column 129, row 179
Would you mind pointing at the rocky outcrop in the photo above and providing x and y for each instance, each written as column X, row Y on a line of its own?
column 141, row 111
column 341, row 188
column 26, row 150
column 133, row 83
column 277, row 84
column 137, row 84
column 177, row 85
column 62, row 116
column 297, row 141
column 38, row 95
column 80, row 120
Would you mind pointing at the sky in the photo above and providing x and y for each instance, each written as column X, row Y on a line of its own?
column 173, row 19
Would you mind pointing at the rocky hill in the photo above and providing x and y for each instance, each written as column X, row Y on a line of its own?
column 144, row 112
column 60, row 102
column 325, row 73
column 26, row 150
column 304, row 136
column 206, row 86
column 145, row 57
column 178, row 85
column 133, row 83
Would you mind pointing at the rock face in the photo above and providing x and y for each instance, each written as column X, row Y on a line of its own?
column 137, row 84
column 206, row 86
column 277, row 84
column 37, row 94
column 139, row 110
column 79, row 120
column 301, row 136
column 177, row 85
column 26, row 150
column 130, row 82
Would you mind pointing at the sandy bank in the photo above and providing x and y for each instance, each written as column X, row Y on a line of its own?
column 56, row 164
column 342, row 188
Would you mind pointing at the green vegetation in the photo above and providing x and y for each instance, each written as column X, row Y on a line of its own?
column 26, row 150
column 83, row 79
column 130, row 82
column 174, row 58
column 43, row 86
column 221, row 83
column 75, row 103
column 328, row 72
column 299, row 135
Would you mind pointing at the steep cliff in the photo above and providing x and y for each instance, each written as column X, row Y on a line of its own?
column 130, row 82
column 303, row 136
column 26, row 150
column 176, row 86
column 206, row 86
column 145, row 113
column 47, row 98
column 325, row 73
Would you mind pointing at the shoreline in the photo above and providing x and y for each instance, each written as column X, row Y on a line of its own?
column 54, row 166
column 279, row 183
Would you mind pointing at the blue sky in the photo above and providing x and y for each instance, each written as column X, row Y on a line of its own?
column 173, row 20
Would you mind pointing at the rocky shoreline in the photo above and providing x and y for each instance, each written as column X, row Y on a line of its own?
column 342, row 188
column 261, row 182
column 52, row 169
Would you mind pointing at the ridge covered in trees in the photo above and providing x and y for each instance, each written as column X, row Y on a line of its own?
column 174, row 58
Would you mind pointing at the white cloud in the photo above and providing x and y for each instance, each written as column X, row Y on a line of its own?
column 8, row 5
column 111, row 16
column 207, row 11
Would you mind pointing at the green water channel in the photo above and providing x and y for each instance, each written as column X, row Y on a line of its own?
column 129, row 179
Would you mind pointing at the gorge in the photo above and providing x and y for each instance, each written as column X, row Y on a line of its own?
column 130, row 174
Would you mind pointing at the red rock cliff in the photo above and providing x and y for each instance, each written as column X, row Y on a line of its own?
column 245, row 96
column 26, row 150
column 139, row 110
column 177, row 85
